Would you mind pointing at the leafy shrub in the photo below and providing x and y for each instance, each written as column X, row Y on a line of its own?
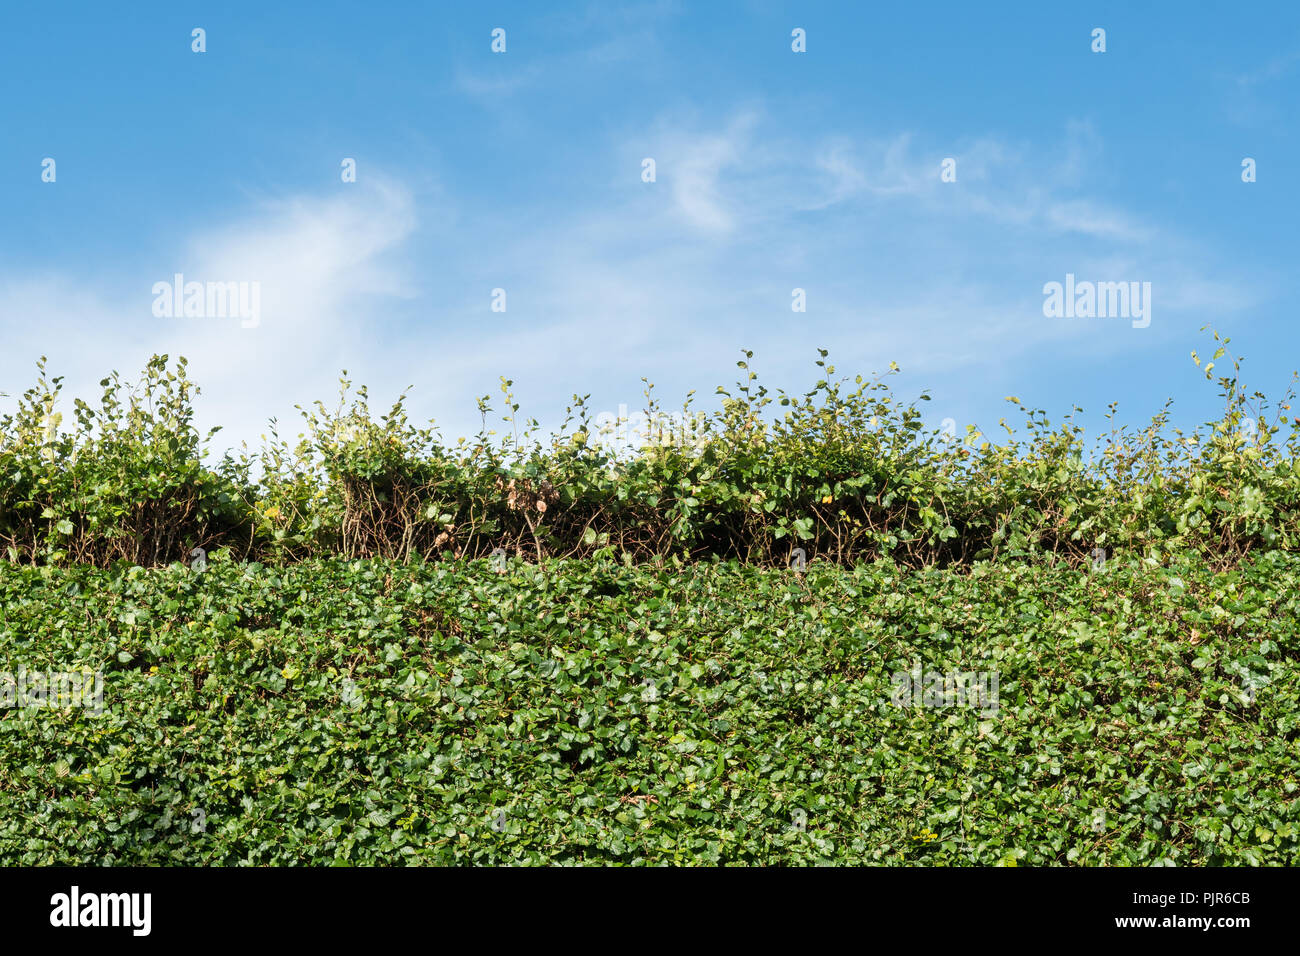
column 377, row 712
column 846, row 472
column 125, row 483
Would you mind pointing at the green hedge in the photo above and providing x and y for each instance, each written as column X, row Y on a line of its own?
column 385, row 712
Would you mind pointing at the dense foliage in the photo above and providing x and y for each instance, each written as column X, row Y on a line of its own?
column 582, row 711
column 566, row 649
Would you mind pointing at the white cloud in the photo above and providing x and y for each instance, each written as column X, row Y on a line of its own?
column 327, row 267
column 1094, row 219
column 491, row 88
column 692, row 165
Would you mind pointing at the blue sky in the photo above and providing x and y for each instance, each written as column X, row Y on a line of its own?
column 775, row 170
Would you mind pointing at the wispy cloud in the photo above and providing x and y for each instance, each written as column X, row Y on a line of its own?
column 1274, row 69
column 491, row 87
column 1251, row 97
column 326, row 270
column 693, row 166
column 1091, row 218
